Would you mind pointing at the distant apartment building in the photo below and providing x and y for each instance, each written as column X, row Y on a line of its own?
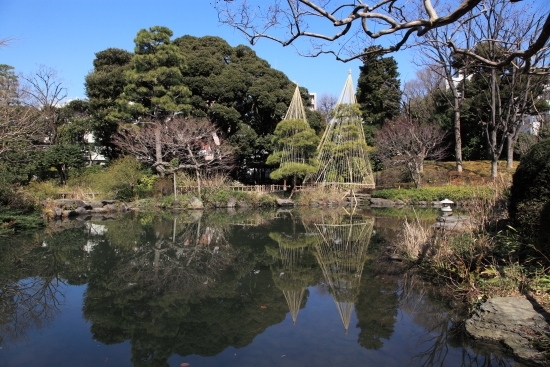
column 312, row 101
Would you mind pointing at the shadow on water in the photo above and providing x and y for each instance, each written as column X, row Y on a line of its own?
column 218, row 288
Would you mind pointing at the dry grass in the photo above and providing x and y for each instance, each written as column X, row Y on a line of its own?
column 320, row 195
column 442, row 173
column 414, row 239
column 466, row 260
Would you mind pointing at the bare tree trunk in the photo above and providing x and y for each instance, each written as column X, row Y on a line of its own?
column 175, row 187
column 158, row 146
column 510, row 151
column 458, row 139
column 493, row 130
column 198, row 183
column 494, row 168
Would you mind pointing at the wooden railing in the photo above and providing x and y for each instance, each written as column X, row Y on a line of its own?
column 259, row 188
column 244, row 188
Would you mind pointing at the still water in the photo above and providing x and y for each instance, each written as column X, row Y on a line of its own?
column 223, row 289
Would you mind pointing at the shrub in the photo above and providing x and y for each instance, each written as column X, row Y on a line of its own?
column 530, row 190
column 121, row 178
column 43, row 189
column 454, row 193
column 86, row 177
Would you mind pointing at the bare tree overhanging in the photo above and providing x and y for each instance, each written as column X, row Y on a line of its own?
column 407, row 143
column 441, row 61
column 185, row 145
column 19, row 119
column 347, row 28
column 46, row 92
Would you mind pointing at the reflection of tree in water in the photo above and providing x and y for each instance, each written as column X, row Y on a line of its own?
column 377, row 304
column 439, row 320
column 181, row 288
column 341, row 251
column 181, row 253
column 33, row 274
column 295, row 269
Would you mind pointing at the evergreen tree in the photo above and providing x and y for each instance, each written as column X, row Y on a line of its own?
column 296, row 143
column 154, row 92
column 104, row 86
column 154, row 89
column 378, row 90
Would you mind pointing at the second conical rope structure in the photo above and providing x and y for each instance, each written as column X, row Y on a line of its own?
column 342, row 152
column 341, row 251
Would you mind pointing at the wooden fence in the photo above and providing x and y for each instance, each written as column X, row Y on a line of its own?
column 243, row 188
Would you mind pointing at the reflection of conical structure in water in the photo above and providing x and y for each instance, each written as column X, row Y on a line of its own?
column 294, row 301
column 291, row 277
column 342, row 151
column 341, row 251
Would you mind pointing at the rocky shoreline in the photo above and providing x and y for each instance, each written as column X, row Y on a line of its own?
column 515, row 323
column 67, row 208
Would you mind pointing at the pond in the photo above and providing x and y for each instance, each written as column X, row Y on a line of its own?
column 278, row 288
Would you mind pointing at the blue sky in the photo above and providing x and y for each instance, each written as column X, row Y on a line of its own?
column 65, row 35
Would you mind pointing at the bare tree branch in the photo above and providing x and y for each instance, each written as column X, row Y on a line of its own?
column 186, row 144
column 45, row 92
column 328, row 25
column 407, row 143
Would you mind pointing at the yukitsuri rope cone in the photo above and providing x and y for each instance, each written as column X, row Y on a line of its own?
column 341, row 251
column 342, row 152
column 296, row 144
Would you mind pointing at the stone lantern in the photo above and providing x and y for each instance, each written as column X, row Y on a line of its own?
column 446, row 209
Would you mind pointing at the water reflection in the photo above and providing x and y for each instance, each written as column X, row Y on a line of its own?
column 295, row 268
column 341, row 251
column 200, row 284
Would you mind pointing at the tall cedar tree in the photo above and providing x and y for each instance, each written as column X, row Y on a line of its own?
column 378, row 90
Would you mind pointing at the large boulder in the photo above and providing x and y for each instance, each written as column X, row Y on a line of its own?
column 381, row 203
column 285, row 202
column 195, row 204
column 512, row 322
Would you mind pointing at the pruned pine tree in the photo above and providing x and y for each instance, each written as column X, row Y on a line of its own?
column 154, row 92
column 343, row 151
column 295, row 143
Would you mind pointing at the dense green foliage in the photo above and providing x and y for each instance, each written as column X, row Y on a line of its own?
column 295, row 147
column 104, row 85
column 236, row 90
column 154, row 88
column 378, row 90
column 531, row 191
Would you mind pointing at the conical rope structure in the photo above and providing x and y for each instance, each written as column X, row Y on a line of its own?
column 342, row 152
column 290, row 152
column 296, row 110
column 296, row 144
column 341, row 252
column 291, row 277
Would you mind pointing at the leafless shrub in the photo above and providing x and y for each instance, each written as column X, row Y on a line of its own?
column 408, row 143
